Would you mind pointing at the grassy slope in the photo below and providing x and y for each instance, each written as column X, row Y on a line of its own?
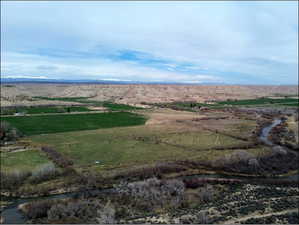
column 31, row 125
column 26, row 160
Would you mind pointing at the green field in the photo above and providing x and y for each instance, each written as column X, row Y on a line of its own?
column 194, row 106
column 109, row 105
column 117, row 107
column 129, row 146
column 30, row 125
column 262, row 101
column 44, row 109
column 22, row 161
column 200, row 140
column 65, row 99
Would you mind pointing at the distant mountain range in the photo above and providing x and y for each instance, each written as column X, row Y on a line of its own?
column 62, row 81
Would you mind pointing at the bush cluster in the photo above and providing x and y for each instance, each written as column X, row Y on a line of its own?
column 44, row 172
column 8, row 133
column 58, row 158
column 13, row 180
column 87, row 211
column 156, row 171
column 39, row 209
column 279, row 161
column 154, row 193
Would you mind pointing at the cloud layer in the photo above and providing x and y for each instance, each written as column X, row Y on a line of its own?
column 229, row 42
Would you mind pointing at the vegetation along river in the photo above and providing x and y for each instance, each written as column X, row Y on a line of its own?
column 12, row 215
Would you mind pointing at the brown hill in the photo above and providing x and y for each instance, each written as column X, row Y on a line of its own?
column 133, row 94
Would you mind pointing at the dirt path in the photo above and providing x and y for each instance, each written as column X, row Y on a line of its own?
column 20, row 150
column 256, row 215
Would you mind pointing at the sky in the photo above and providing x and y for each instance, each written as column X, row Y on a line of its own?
column 187, row 42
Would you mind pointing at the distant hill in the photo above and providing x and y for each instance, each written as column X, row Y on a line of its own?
column 62, row 81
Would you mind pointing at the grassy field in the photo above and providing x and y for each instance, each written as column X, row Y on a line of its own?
column 262, row 101
column 293, row 126
column 30, row 125
column 22, row 161
column 128, row 146
column 186, row 106
column 65, row 99
column 86, row 100
column 194, row 106
column 44, row 109
column 116, row 107
column 201, row 140
column 236, row 127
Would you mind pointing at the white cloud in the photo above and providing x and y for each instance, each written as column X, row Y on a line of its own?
column 27, row 77
column 93, row 69
column 221, row 36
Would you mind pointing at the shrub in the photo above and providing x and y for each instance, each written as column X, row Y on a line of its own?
column 58, row 158
column 106, row 215
column 154, row 171
column 8, row 133
column 240, row 161
column 154, row 193
column 45, row 172
column 81, row 208
column 38, row 209
column 206, row 193
column 12, row 180
column 240, row 156
column 202, row 218
column 87, row 211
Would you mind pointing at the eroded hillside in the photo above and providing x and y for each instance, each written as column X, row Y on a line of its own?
column 21, row 94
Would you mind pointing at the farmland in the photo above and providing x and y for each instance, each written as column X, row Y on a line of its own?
column 129, row 146
column 64, row 123
column 44, row 109
column 263, row 101
column 86, row 100
column 23, row 160
column 205, row 149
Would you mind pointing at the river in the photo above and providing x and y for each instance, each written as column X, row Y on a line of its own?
column 264, row 137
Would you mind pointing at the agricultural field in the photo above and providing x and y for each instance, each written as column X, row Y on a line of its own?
column 44, row 109
column 86, row 100
column 27, row 160
column 149, row 113
column 30, row 125
column 76, row 148
column 129, row 146
column 287, row 101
